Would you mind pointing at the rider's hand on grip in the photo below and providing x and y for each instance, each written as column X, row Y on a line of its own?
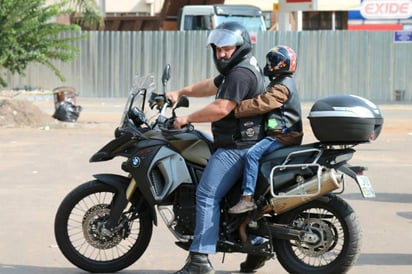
column 168, row 128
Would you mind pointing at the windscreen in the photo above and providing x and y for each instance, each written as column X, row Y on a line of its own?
column 142, row 87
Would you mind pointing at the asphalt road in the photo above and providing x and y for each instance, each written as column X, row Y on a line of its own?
column 39, row 166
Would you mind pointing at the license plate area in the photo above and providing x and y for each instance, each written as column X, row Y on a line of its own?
column 365, row 186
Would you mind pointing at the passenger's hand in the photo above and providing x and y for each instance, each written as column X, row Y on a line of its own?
column 180, row 122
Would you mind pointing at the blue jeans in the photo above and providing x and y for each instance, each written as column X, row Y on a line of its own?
column 254, row 154
column 220, row 174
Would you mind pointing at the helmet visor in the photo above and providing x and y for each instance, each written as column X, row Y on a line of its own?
column 223, row 38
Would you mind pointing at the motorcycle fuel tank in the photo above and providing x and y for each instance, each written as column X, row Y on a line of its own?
column 345, row 119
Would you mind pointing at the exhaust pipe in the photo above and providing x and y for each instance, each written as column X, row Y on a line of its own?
column 305, row 192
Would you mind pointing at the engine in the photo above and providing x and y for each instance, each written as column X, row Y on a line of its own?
column 184, row 209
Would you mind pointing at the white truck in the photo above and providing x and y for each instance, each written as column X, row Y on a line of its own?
column 207, row 17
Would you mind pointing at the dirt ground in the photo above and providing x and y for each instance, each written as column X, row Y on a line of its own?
column 43, row 159
column 22, row 113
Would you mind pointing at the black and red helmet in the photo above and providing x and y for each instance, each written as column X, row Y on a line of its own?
column 280, row 60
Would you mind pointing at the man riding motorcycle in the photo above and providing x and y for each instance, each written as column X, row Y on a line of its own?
column 240, row 78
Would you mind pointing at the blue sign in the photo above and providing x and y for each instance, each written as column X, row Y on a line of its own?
column 402, row 36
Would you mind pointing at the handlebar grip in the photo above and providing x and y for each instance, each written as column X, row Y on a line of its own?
column 169, row 130
column 190, row 127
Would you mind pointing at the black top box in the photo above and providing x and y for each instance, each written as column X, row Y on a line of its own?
column 345, row 119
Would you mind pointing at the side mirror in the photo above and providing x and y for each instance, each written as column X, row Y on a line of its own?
column 182, row 102
column 166, row 75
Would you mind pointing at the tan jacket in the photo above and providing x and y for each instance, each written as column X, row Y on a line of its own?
column 274, row 97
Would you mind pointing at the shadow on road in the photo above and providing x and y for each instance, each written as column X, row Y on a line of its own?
column 382, row 197
column 385, row 259
column 18, row 269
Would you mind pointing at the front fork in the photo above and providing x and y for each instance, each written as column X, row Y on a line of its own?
column 125, row 189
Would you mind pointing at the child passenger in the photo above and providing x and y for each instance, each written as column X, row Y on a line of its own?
column 281, row 106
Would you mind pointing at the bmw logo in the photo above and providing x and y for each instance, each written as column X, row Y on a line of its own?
column 136, row 161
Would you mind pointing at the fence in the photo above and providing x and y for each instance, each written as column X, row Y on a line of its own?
column 367, row 64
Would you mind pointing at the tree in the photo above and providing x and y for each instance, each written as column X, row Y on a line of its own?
column 87, row 14
column 29, row 35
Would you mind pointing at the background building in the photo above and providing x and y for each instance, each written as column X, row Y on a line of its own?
column 299, row 14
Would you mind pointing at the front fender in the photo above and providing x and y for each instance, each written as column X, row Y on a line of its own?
column 120, row 183
column 117, row 181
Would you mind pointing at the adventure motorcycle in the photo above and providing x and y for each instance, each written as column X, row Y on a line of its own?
column 105, row 225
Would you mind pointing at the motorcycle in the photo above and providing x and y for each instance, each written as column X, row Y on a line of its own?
column 105, row 225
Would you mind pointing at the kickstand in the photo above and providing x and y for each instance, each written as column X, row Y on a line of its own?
column 223, row 258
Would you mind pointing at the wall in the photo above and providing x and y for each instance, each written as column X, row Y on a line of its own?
column 368, row 64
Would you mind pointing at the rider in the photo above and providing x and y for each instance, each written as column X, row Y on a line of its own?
column 240, row 78
column 283, row 123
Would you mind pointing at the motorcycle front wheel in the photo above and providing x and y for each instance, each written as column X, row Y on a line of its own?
column 338, row 241
column 83, row 239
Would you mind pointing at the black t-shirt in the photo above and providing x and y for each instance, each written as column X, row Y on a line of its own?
column 240, row 83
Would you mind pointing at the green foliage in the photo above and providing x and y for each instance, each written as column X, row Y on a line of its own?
column 87, row 14
column 29, row 35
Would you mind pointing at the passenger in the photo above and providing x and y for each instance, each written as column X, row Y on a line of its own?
column 283, row 123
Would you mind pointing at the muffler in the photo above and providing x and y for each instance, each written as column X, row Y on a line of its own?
column 306, row 191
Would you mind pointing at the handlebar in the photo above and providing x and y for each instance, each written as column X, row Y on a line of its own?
column 168, row 129
column 159, row 100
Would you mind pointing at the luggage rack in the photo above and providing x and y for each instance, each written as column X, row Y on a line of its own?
column 285, row 165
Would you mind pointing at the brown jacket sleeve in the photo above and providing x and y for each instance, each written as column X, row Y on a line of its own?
column 273, row 97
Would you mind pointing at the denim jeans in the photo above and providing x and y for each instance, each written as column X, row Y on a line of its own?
column 253, row 155
column 221, row 173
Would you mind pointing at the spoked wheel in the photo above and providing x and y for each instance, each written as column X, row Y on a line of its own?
column 333, row 240
column 83, row 237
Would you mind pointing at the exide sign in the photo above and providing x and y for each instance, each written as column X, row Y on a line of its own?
column 386, row 9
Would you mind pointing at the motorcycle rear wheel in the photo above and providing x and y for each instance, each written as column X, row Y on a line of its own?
column 77, row 223
column 337, row 226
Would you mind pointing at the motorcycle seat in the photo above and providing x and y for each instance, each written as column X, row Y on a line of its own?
column 280, row 155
